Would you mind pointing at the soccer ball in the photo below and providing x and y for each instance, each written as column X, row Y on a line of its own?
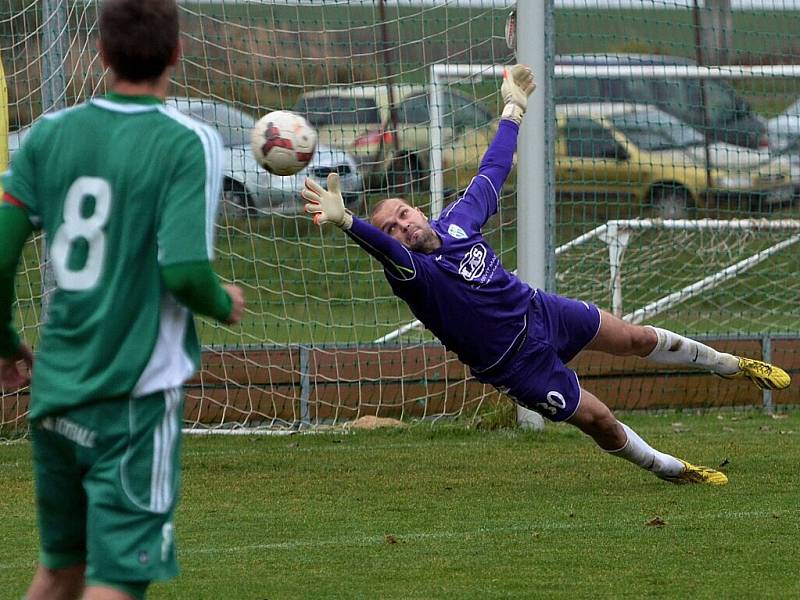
column 283, row 142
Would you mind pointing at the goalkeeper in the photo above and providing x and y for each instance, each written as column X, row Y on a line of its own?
column 514, row 337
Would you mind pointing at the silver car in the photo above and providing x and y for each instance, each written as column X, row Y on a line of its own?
column 247, row 186
column 784, row 130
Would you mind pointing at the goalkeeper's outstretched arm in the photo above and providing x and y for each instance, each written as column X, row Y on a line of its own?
column 497, row 161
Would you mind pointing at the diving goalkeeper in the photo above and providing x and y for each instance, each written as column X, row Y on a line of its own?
column 512, row 336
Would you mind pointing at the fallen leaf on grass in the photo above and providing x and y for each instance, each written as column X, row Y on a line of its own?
column 656, row 522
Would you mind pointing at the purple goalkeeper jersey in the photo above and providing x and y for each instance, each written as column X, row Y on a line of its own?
column 461, row 292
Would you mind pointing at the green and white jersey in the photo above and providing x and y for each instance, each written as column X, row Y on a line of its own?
column 121, row 185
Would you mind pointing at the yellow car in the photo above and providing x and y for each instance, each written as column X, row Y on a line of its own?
column 637, row 152
column 358, row 119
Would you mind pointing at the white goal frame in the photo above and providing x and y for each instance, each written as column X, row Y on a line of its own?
column 616, row 234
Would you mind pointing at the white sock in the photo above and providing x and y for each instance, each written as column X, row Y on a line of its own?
column 674, row 349
column 640, row 453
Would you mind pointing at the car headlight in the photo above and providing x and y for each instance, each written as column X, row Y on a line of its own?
column 735, row 181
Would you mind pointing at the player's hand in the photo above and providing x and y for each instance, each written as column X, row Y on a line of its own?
column 517, row 85
column 237, row 301
column 326, row 206
column 15, row 372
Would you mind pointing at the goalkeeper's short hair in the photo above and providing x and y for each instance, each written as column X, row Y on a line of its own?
column 380, row 205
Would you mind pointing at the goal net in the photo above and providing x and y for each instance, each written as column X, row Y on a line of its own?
column 324, row 341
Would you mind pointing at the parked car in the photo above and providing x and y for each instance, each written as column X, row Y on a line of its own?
column 358, row 120
column 645, row 154
column 784, row 130
column 729, row 118
column 247, row 185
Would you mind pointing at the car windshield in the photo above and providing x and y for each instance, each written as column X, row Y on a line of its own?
column 721, row 103
column 337, row 110
column 233, row 125
column 656, row 130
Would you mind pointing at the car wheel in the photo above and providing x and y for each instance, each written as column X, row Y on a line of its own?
column 670, row 202
column 406, row 176
column 235, row 199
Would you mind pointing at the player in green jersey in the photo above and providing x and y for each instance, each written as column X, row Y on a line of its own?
column 126, row 192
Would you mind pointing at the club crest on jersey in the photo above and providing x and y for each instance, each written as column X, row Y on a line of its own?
column 473, row 264
column 456, row 232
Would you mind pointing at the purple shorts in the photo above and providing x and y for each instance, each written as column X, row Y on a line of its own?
column 536, row 376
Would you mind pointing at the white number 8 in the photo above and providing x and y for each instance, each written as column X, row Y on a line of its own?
column 76, row 226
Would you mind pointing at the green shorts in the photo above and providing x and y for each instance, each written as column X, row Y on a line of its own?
column 107, row 477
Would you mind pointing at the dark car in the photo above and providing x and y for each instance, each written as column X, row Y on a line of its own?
column 729, row 118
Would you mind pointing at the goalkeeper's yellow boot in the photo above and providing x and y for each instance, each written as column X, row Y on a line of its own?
column 764, row 375
column 696, row 474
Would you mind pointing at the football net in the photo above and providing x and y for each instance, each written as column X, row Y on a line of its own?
column 324, row 341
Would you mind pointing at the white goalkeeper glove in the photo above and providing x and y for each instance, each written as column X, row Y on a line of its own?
column 326, row 206
column 517, row 85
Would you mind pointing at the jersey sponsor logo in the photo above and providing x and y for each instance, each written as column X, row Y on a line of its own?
column 456, row 232
column 473, row 264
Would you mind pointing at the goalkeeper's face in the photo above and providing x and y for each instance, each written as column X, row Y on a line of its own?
column 406, row 224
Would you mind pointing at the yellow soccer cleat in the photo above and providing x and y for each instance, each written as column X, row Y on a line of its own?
column 764, row 375
column 695, row 474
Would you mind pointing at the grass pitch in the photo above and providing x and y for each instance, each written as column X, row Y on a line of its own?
column 445, row 512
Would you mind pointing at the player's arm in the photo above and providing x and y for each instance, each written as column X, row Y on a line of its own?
column 14, row 231
column 497, row 161
column 186, row 230
column 481, row 198
column 197, row 287
column 327, row 206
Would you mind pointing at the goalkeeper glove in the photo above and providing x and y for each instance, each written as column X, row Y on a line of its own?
column 517, row 85
column 326, row 206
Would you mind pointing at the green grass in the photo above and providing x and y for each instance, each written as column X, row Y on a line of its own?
column 455, row 513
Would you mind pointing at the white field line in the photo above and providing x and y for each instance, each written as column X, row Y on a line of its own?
column 536, row 527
